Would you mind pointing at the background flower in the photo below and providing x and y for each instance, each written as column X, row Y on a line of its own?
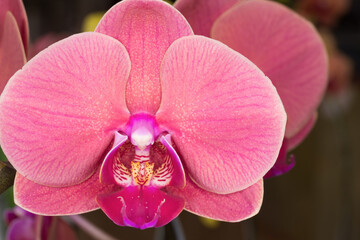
column 23, row 225
column 282, row 44
column 13, row 38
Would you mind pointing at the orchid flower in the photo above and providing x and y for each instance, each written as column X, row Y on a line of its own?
column 141, row 118
column 282, row 44
column 13, row 38
column 28, row 226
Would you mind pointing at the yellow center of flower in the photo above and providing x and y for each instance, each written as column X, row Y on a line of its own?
column 142, row 172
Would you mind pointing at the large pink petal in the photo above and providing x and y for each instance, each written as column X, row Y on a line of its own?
column 40, row 199
column 223, row 114
column 12, row 54
column 201, row 14
column 232, row 207
column 59, row 113
column 146, row 28
column 16, row 8
column 285, row 47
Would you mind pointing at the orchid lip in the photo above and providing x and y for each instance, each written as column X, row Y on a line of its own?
column 129, row 222
column 143, row 162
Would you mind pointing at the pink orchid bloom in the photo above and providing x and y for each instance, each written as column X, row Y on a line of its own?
column 13, row 38
column 142, row 119
column 282, row 44
column 23, row 225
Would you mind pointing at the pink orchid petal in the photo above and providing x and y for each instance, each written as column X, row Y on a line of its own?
column 77, row 199
column 224, row 115
column 232, row 207
column 140, row 207
column 12, row 54
column 146, row 28
column 295, row 140
column 59, row 113
column 285, row 47
column 283, row 163
column 21, row 229
column 201, row 14
column 16, row 8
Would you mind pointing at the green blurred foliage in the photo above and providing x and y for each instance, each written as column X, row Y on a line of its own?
column 2, row 156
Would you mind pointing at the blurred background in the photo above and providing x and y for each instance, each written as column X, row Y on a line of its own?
column 320, row 197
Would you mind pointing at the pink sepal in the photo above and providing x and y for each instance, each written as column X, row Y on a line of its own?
column 233, row 207
column 43, row 200
column 146, row 28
